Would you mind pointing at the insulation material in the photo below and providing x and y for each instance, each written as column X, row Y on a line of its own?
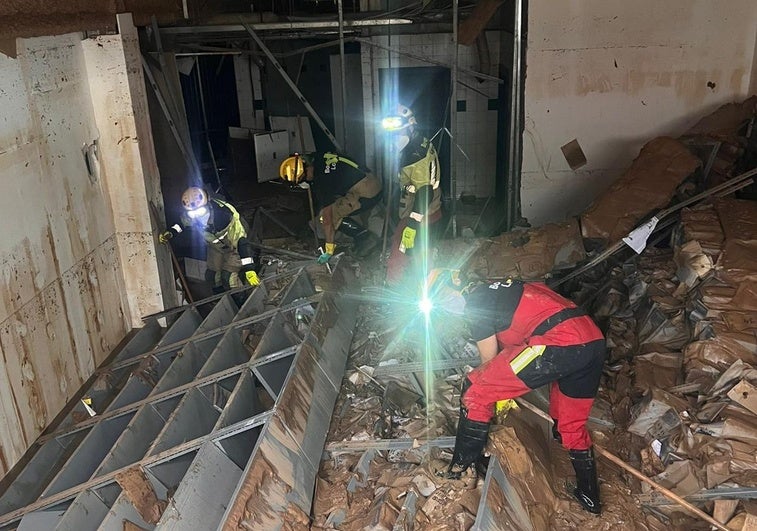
column 738, row 217
column 702, row 224
column 738, row 263
column 648, row 185
column 530, row 254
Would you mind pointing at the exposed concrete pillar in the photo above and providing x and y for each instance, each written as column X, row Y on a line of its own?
column 129, row 167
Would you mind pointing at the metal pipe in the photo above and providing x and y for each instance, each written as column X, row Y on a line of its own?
column 293, row 86
column 279, row 26
column 513, row 173
column 453, row 118
column 343, row 72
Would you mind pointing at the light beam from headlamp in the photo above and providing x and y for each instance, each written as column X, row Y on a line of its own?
column 197, row 212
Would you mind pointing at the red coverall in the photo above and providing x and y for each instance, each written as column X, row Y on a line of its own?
column 524, row 314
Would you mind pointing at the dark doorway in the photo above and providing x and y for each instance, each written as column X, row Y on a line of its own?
column 426, row 91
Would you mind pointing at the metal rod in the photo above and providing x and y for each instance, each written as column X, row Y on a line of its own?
column 453, row 117
column 313, row 218
column 293, row 86
column 343, row 72
column 277, row 221
column 654, row 499
column 628, row 468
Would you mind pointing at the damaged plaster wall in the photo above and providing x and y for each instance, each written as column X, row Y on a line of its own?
column 614, row 75
column 63, row 303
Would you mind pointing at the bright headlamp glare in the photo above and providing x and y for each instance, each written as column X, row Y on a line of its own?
column 425, row 305
column 392, row 123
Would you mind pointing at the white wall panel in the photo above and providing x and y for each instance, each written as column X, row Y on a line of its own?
column 614, row 75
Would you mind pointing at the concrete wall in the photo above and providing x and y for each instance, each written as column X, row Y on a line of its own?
column 614, row 75
column 477, row 125
column 67, row 263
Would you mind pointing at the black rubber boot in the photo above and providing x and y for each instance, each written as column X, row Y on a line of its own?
column 364, row 241
column 587, row 488
column 470, row 442
column 556, row 434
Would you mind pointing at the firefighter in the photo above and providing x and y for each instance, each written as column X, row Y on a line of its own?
column 420, row 195
column 342, row 189
column 528, row 336
column 231, row 261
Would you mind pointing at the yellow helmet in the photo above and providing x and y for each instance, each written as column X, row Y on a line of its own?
column 194, row 198
column 292, row 169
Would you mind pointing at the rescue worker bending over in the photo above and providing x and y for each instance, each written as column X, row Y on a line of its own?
column 420, row 195
column 231, row 259
column 342, row 188
column 529, row 336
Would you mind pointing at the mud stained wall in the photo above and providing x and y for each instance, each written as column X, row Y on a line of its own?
column 63, row 303
column 614, row 75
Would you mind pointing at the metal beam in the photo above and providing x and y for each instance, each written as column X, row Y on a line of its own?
column 388, row 444
column 212, row 333
column 343, row 72
column 154, row 399
column 167, row 455
column 453, row 118
column 512, row 194
column 420, row 366
column 293, row 86
column 284, row 26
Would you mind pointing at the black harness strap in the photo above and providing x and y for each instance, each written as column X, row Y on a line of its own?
column 553, row 320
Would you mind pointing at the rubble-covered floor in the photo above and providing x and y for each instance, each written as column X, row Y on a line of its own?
column 678, row 399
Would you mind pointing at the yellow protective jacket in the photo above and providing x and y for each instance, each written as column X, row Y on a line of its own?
column 225, row 228
column 420, row 168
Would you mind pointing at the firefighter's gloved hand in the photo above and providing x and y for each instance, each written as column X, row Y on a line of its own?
column 328, row 253
column 408, row 239
column 249, row 276
column 165, row 236
column 503, row 407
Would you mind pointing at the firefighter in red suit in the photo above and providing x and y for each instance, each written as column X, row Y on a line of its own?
column 529, row 336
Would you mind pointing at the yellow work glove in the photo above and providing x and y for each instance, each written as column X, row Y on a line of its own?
column 327, row 254
column 502, row 408
column 408, row 239
column 165, row 236
column 251, row 277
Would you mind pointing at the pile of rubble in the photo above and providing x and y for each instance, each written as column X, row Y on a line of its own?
column 681, row 379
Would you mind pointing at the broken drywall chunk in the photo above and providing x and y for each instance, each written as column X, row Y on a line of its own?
column 648, row 185
column 692, row 263
column 745, row 394
column 657, row 415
